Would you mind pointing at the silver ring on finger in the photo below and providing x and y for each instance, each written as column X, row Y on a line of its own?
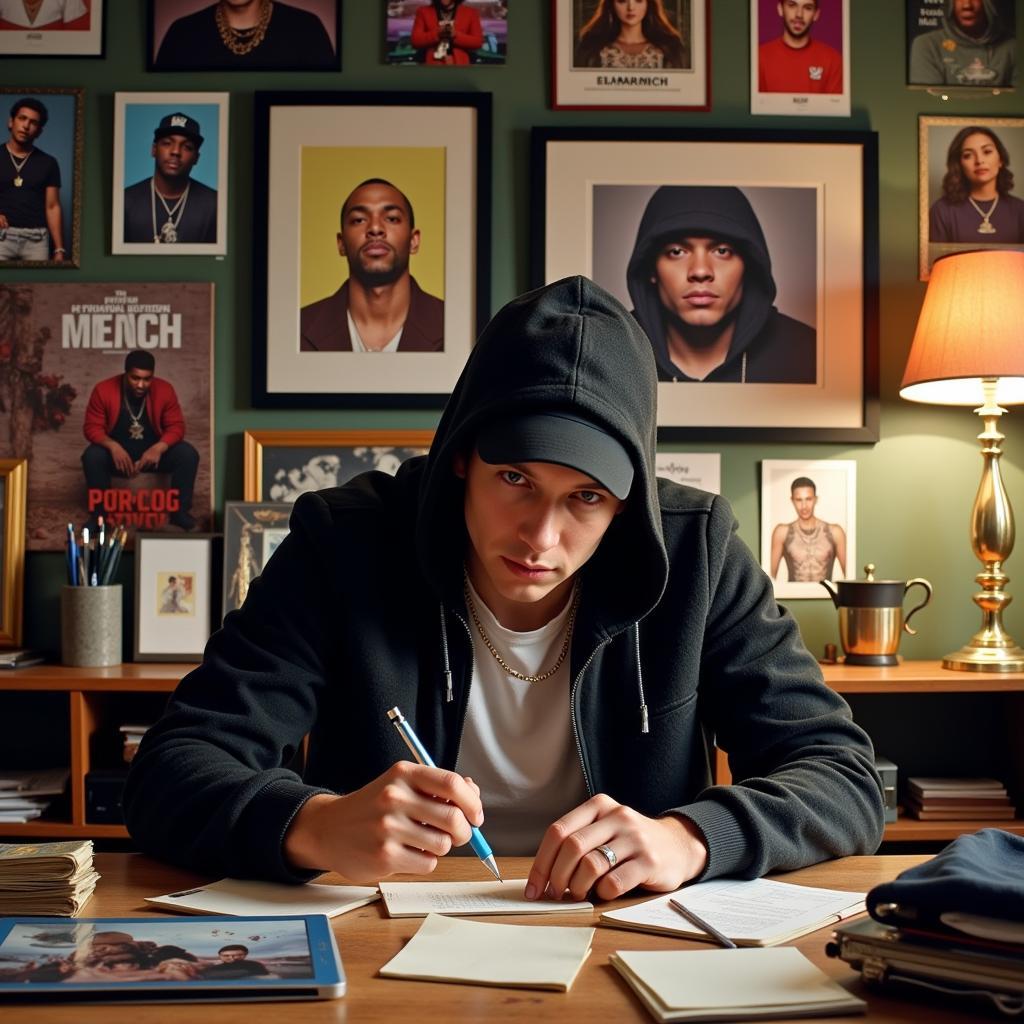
column 609, row 855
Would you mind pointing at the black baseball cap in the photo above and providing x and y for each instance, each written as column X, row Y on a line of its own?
column 178, row 124
column 563, row 438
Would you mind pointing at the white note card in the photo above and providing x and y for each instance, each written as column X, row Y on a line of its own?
column 242, row 897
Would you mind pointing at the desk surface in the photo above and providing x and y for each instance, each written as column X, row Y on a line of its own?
column 367, row 939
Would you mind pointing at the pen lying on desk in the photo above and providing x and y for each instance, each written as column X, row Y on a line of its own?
column 480, row 845
column 699, row 922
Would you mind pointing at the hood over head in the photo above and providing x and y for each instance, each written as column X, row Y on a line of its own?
column 570, row 349
column 720, row 212
column 995, row 28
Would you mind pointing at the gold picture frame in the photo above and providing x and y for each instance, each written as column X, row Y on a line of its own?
column 13, row 493
column 281, row 464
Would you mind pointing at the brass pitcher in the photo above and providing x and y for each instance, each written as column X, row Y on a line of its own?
column 871, row 616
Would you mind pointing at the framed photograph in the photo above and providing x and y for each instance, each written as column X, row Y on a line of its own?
column 49, row 28
column 215, row 35
column 252, row 531
column 656, row 56
column 170, row 174
column 966, row 195
column 13, row 490
column 41, row 184
column 800, row 57
column 173, row 596
column 808, row 524
column 84, row 353
column 961, row 46
column 371, row 245
column 419, row 32
column 781, row 341
column 282, row 464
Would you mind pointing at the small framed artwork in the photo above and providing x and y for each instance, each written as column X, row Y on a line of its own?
column 808, row 524
column 702, row 470
column 608, row 55
column 51, row 28
column 371, row 245
column 446, row 34
column 41, row 179
column 961, row 46
column 256, row 35
column 170, row 174
column 252, row 532
column 966, row 195
column 13, row 493
column 800, row 57
column 282, row 464
column 781, row 340
column 173, row 596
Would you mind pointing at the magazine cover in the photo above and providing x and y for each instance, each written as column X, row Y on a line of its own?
column 106, row 389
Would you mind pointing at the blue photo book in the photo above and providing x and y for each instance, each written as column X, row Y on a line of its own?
column 180, row 959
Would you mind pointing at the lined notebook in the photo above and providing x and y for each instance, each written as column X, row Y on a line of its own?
column 761, row 912
column 732, row 984
column 486, row 953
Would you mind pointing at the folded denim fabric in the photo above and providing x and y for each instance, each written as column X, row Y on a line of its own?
column 981, row 874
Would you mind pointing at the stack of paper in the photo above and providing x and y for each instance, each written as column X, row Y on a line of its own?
column 732, row 984
column 481, row 953
column 45, row 879
column 958, row 799
column 20, row 658
column 24, row 795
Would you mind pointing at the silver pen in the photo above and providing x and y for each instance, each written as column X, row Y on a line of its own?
column 699, row 922
column 419, row 752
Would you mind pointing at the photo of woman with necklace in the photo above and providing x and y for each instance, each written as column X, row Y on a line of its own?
column 630, row 34
column 976, row 205
column 230, row 35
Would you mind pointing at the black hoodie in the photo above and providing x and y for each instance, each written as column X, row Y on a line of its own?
column 677, row 638
column 767, row 346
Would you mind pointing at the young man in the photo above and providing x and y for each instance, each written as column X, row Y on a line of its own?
column 171, row 206
column 564, row 632
column 235, row 963
column 810, row 546
column 700, row 278
column 134, row 424
column 380, row 308
column 795, row 62
column 30, row 213
column 974, row 46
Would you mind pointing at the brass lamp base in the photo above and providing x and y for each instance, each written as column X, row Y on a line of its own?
column 986, row 659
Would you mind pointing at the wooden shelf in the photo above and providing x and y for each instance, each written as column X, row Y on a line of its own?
column 918, row 677
column 913, row 830
column 131, row 677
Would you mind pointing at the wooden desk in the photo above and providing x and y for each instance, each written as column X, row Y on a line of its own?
column 367, row 939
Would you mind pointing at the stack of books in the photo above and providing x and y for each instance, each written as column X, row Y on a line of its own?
column 20, row 658
column 131, row 737
column 958, row 799
column 25, row 794
column 45, row 879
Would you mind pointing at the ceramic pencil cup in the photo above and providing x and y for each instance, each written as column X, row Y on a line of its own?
column 90, row 626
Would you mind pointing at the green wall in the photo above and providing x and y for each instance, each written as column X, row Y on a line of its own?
column 915, row 486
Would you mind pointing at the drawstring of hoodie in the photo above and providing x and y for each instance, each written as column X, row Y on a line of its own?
column 449, row 696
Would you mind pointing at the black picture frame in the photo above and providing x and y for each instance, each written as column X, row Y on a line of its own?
column 454, row 128
column 158, row 12
column 568, row 164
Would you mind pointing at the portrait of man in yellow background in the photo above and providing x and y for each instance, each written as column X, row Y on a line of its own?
column 371, row 276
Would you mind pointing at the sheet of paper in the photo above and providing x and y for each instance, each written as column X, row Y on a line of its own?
column 726, row 984
column 758, row 911
column 245, row 897
column 486, row 953
column 417, row 899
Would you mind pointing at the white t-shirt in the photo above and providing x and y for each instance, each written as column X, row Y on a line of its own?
column 49, row 12
column 518, row 743
column 359, row 346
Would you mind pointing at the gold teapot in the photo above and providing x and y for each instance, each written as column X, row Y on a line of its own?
column 871, row 617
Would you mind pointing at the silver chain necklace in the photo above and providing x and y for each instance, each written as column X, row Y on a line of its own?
column 570, row 622
column 169, row 229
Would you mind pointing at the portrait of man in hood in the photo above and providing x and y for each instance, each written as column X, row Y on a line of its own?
column 701, row 284
column 974, row 44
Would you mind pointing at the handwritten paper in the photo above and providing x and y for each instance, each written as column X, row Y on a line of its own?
column 417, row 899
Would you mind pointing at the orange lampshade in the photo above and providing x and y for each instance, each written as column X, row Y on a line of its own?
column 971, row 328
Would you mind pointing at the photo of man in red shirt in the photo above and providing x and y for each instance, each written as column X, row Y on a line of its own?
column 795, row 62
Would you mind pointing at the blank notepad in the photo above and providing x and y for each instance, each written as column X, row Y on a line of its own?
column 482, row 953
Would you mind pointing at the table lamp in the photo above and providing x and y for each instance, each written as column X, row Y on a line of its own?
column 968, row 350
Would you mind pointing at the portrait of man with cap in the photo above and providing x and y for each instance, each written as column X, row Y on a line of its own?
column 171, row 206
